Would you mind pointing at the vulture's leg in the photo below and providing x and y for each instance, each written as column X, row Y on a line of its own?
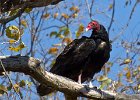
column 90, row 83
column 79, row 77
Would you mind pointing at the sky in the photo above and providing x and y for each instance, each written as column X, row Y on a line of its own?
column 101, row 14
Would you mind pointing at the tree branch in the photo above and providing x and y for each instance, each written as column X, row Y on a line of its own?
column 9, row 5
column 10, row 18
column 32, row 67
column 16, row 4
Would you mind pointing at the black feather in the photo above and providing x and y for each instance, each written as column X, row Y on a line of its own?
column 88, row 54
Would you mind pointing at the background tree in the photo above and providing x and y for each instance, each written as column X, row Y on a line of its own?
column 41, row 29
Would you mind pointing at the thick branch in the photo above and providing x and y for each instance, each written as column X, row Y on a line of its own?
column 31, row 66
column 10, row 18
column 17, row 4
column 9, row 5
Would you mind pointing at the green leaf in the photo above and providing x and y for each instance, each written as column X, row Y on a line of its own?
column 60, row 36
column 102, row 78
column 28, row 10
column 3, row 89
column 110, row 64
column 105, row 83
column 52, row 63
column 13, row 12
column 22, row 83
column 18, row 48
column 66, row 32
column 9, row 87
column 28, row 83
column 13, row 32
column 62, row 29
column 54, row 33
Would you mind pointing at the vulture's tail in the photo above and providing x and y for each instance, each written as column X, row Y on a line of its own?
column 43, row 90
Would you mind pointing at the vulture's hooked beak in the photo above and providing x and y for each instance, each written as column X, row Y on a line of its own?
column 87, row 29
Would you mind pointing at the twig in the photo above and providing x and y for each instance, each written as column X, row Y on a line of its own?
column 89, row 10
column 9, row 79
column 112, row 16
column 6, row 20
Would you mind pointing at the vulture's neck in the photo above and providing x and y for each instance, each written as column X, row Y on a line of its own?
column 101, row 34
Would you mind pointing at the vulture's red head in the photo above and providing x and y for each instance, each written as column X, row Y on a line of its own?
column 94, row 25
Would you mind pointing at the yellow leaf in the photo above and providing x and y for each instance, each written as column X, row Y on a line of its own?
column 56, row 45
column 24, row 23
column 108, row 69
column 47, row 15
column 139, row 68
column 53, row 50
column 3, row 89
column 55, row 15
column 67, row 40
column 80, row 30
column 126, row 69
column 18, row 48
column 110, row 6
column 126, row 61
column 16, row 86
column 102, row 78
column 128, row 74
column 74, row 15
column 13, row 32
column 120, row 75
column 74, row 8
column 65, row 15
column 139, row 87
column 12, row 41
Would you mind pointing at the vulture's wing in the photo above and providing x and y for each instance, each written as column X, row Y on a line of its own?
column 75, row 54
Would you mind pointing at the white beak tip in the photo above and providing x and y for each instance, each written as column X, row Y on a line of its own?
column 87, row 29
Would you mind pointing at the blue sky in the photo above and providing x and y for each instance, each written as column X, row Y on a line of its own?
column 122, row 14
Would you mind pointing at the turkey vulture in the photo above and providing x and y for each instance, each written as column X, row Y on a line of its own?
column 83, row 57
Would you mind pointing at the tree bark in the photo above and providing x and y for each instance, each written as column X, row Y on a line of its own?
column 32, row 67
column 9, row 5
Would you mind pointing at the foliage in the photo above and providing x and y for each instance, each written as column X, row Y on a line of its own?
column 47, row 30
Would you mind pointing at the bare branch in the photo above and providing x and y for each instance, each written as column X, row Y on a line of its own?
column 10, row 79
column 112, row 16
